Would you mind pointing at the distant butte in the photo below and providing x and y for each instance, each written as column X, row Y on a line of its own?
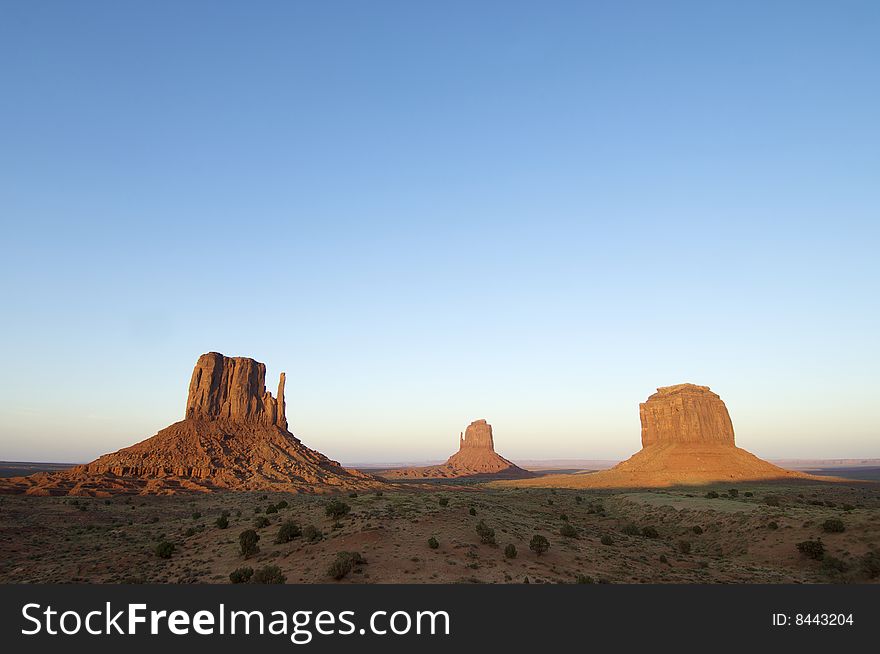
column 687, row 438
column 476, row 457
column 234, row 436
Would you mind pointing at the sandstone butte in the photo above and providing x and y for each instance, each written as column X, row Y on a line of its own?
column 233, row 436
column 687, row 439
column 476, row 457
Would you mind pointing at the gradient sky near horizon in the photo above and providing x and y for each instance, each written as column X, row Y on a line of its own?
column 427, row 213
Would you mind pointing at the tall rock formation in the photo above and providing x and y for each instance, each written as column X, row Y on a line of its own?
column 476, row 457
column 687, row 438
column 233, row 436
column 234, row 388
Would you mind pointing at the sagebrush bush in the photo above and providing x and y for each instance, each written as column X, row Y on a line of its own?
column 631, row 530
column 697, row 529
column 261, row 521
column 833, row 526
column 539, row 544
column 607, row 540
column 222, row 522
column 312, row 534
column 344, row 563
column 568, row 530
column 583, row 579
column 487, row 534
column 287, row 532
column 650, row 532
column 712, row 495
column 241, row 575
column 433, row 543
column 271, row 509
column 510, row 551
column 684, row 546
column 813, row 549
column 772, row 500
column 164, row 550
column 270, row 574
column 247, row 542
column 336, row 509
column 443, row 501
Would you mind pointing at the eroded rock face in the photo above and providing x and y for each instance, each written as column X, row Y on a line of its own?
column 476, row 457
column 234, row 436
column 234, row 388
column 687, row 439
column 685, row 413
column 478, row 435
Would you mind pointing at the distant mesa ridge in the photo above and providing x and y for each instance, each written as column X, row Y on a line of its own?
column 476, row 457
column 687, row 438
column 234, row 436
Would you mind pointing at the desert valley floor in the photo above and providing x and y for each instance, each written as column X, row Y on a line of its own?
column 745, row 533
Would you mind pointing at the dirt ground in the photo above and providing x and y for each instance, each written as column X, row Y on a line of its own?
column 748, row 534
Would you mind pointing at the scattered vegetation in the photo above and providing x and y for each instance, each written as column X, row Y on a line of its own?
column 472, row 511
column 241, row 575
column 287, row 532
column 164, row 550
column 247, row 541
column 510, row 551
column 697, row 529
column 269, row 574
column 813, row 549
column 261, row 521
column 773, row 525
column 539, row 544
column 337, row 509
column 631, row 530
column 433, row 543
column 344, row 563
column 772, row 500
column 568, row 530
column 584, row 579
column 650, row 532
column 607, row 540
column 312, row 534
column 487, row 534
column 684, row 546
column 222, row 522
column 833, row 526
column 712, row 495
column 443, row 501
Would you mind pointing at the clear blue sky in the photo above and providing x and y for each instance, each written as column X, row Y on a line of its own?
column 428, row 213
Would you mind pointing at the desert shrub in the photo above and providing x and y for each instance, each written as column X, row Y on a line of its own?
column 247, row 541
column 264, row 497
column 563, row 517
column 472, row 511
column 684, row 546
column 773, row 525
column 260, row 522
column 539, row 544
column 549, row 502
column 847, row 507
column 379, row 493
column 578, row 499
column 830, row 504
column 344, row 563
column 568, row 531
column 870, row 564
column 583, row 579
column 196, row 515
column 287, row 532
column 282, row 505
column 833, row 526
column 833, row 564
column 241, row 575
column 443, row 501
column 510, row 551
column 772, row 500
column 607, row 540
column 697, row 529
column 650, row 532
column 712, row 495
column 733, row 492
column 813, row 549
column 631, row 530
column 164, row 550
column 352, row 495
column 222, row 522
column 433, row 543
column 748, row 493
column 336, row 509
column 487, row 534
column 312, row 534
column 269, row 574
column 663, row 559
column 271, row 509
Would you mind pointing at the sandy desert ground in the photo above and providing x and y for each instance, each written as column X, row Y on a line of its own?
column 749, row 533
